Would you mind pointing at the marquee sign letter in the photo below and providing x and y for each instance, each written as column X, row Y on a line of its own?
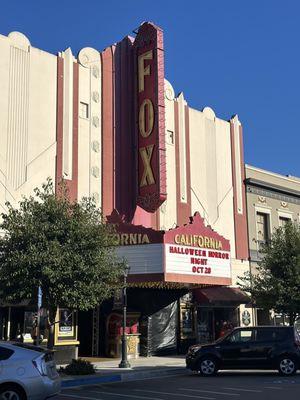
column 146, row 126
column 144, row 71
column 146, row 154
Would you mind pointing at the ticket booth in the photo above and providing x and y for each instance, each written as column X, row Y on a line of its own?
column 114, row 331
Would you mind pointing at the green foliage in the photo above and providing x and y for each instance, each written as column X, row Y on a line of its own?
column 64, row 247
column 276, row 284
column 79, row 367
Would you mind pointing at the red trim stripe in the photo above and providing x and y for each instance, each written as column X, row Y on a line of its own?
column 240, row 220
column 107, row 131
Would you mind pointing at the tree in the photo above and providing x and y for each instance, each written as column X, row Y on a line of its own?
column 276, row 283
column 61, row 246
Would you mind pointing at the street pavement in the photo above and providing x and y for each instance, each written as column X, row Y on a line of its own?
column 187, row 386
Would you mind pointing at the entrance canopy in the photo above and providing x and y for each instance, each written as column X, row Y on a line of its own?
column 221, row 295
column 192, row 254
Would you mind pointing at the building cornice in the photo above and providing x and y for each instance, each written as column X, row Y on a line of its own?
column 271, row 186
column 274, row 174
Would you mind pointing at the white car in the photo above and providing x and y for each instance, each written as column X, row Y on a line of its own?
column 27, row 372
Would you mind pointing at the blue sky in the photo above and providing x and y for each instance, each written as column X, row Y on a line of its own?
column 236, row 56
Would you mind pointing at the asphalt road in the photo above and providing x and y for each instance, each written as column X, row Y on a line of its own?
column 226, row 385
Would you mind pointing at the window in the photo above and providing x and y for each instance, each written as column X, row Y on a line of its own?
column 242, row 336
column 283, row 221
column 5, row 353
column 271, row 334
column 84, row 110
column 265, row 335
column 262, row 228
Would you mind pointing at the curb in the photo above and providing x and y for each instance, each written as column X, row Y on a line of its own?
column 122, row 377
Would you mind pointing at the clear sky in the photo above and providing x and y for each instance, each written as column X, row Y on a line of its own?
column 236, row 56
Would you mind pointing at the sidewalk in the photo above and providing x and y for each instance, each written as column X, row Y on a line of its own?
column 141, row 368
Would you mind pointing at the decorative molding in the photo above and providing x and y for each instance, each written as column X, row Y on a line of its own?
column 95, row 71
column 209, row 113
column 90, row 58
column 68, row 114
column 96, row 121
column 96, row 197
column 237, row 149
column 96, row 146
column 262, row 199
column 273, row 195
column 96, row 97
column 19, row 40
column 163, row 207
column 169, row 91
column 263, row 208
column 182, row 147
column 270, row 186
column 288, row 178
column 283, row 213
column 18, row 113
column 95, row 172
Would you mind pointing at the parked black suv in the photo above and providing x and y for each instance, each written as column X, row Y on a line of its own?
column 248, row 348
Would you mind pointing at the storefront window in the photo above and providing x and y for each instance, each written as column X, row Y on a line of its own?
column 187, row 322
column 205, row 325
column 214, row 323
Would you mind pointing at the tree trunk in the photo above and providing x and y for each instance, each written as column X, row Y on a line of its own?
column 52, row 316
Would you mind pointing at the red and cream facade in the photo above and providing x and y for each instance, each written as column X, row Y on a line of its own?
column 111, row 125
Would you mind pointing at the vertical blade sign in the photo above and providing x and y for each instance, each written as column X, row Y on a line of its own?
column 150, row 116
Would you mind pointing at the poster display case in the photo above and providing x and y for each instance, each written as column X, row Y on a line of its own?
column 66, row 327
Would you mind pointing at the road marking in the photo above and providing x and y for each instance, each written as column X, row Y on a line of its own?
column 272, row 387
column 175, row 394
column 212, row 392
column 80, row 397
column 243, row 390
column 124, row 395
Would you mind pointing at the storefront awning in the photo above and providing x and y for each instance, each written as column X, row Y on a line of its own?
column 221, row 295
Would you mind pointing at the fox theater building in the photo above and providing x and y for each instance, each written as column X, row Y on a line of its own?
column 170, row 177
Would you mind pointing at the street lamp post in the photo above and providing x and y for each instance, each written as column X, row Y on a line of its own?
column 124, row 362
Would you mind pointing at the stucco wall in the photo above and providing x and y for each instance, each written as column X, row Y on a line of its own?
column 211, row 173
column 28, row 81
column 210, row 183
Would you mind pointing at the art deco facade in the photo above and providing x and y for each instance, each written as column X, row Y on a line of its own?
column 111, row 125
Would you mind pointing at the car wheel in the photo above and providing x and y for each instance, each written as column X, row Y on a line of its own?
column 287, row 366
column 11, row 392
column 208, row 366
